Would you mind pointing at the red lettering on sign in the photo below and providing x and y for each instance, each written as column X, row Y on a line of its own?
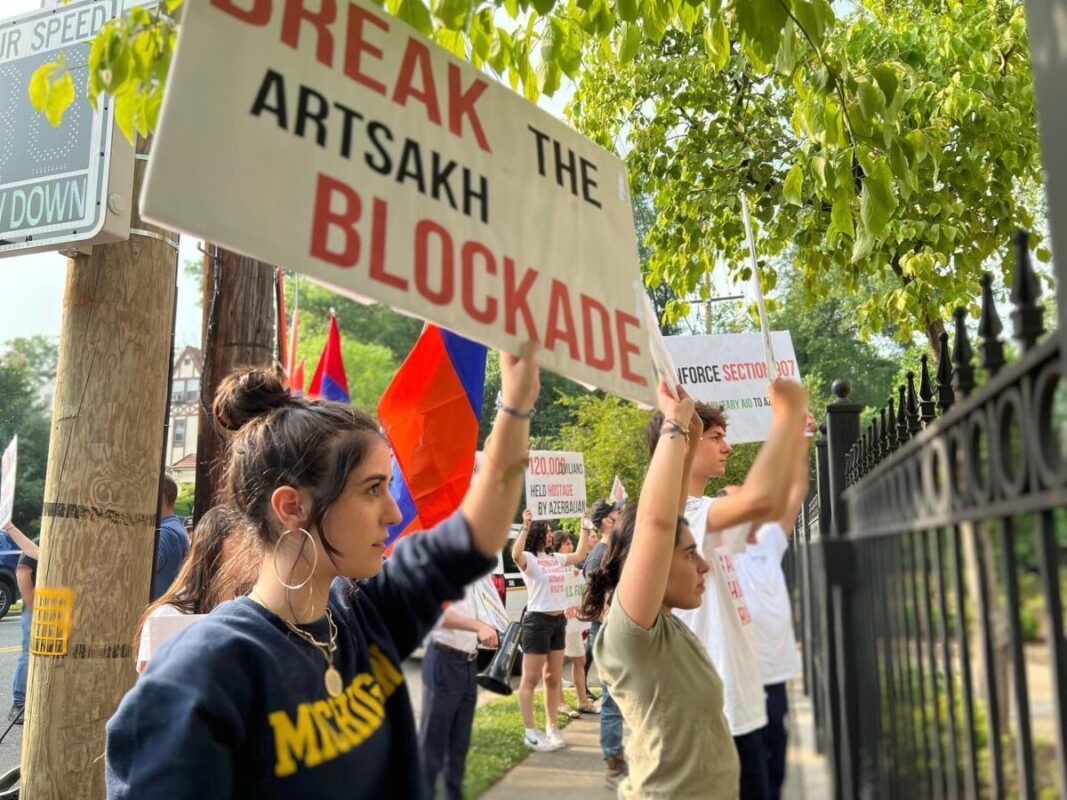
column 559, row 308
column 461, row 104
column 417, row 55
column 589, row 306
column 258, row 14
column 379, row 225
column 515, row 301
column 626, row 347
column 295, row 13
column 443, row 295
column 356, row 46
column 471, row 251
column 326, row 218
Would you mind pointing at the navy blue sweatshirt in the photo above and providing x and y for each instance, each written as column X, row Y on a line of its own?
column 235, row 706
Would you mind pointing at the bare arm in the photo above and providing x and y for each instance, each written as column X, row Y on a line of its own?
column 798, row 492
column 643, row 582
column 24, row 542
column 490, row 503
column 487, row 635
column 578, row 556
column 761, row 498
column 518, row 547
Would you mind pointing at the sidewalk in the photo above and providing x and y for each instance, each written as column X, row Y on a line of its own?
column 578, row 771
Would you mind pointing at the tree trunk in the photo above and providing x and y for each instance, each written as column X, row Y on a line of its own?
column 238, row 331
column 934, row 329
column 101, row 503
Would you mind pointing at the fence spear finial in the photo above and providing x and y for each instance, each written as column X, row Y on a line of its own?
column 962, row 356
column 989, row 328
column 1027, row 318
column 903, row 434
column 914, row 424
column 926, row 392
column 945, row 396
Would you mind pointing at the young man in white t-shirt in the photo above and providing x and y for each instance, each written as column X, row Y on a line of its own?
column 763, row 582
column 720, row 526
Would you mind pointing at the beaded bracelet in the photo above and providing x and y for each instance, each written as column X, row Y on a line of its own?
column 515, row 412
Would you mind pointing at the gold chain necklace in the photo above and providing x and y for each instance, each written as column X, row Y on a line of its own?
column 332, row 678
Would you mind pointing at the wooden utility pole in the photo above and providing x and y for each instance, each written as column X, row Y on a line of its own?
column 101, row 502
column 238, row 331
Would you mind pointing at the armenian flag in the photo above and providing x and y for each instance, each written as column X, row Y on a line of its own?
column 329, row 381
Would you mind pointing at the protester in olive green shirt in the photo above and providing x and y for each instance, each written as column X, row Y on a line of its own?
column 659, row 672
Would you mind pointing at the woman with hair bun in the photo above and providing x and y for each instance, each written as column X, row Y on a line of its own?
column 296, row 690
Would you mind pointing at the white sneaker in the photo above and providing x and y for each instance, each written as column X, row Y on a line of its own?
column 538, row 743
column 554, row 739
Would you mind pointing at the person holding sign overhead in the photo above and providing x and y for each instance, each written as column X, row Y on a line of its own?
column 296, row 690
column 659, row 673
column 544, row 629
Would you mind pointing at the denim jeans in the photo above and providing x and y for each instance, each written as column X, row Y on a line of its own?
column 449, row 697
column 18, row 688
column 610, row 716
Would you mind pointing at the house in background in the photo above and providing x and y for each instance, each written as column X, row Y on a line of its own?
column 184, row 400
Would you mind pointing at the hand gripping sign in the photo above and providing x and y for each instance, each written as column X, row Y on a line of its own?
column 344, row 145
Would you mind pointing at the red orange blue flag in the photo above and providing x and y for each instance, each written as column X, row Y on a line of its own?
column 329, row 381
column 430, row 414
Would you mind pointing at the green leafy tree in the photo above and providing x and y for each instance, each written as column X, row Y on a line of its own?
column 26, row 367
column 893, row 149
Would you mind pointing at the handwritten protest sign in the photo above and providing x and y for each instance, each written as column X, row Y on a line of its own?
column 574, row 587
column 618, row 491
column 343, row 144
column 730, row 370
column 8, row 465
column 555, row 484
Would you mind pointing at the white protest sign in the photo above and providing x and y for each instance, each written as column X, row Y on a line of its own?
column 730, row 370
column 555, row 484
column 618, row 491
column 346, row 146
column 574, row 586
column 8, row 465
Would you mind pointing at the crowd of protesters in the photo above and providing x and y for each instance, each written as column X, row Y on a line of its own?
column 270, row 652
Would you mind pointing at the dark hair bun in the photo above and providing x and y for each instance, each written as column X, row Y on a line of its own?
column 248, row 394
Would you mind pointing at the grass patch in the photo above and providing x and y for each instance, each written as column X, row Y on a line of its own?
column 496, row 740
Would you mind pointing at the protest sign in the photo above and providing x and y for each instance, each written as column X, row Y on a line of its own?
column 618, row 492
column 555, row 484
column 730, row 370
column 344, row 145
column 574, row 587
column 8, row 465
column 163, row 627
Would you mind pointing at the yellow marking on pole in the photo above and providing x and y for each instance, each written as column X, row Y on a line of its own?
column 12, row 649
column 51, row 621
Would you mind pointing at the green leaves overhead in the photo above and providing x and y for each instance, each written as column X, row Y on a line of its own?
column 897, row 144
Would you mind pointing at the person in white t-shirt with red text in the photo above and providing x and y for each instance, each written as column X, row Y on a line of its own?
column 723, row 622
column 762, row 579
column 544, row 626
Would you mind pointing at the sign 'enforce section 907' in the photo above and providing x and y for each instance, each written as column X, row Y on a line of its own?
column 730, row 370
column 343, row 144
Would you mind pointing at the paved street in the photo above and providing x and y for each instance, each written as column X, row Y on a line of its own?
column 10, row 644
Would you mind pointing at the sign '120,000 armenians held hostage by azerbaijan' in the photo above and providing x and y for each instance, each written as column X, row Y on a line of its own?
column 337, row 141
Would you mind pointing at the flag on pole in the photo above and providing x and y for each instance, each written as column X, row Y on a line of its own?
column 618, row 493
column 329, row 382
column 430, row 414
column 290, row 367
column 296, row 380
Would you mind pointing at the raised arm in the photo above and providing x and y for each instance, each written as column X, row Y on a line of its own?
column 760, row 497
column 24, row 542
column 519, row 546
column 490, row 503
column 578, row 556
column 798, row 491
column 643, row 582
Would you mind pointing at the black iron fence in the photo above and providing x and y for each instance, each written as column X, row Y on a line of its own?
column 927, row 576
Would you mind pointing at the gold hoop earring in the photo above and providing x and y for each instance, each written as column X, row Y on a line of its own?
column 314, row 564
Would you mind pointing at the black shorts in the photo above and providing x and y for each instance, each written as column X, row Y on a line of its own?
column 542, row 633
